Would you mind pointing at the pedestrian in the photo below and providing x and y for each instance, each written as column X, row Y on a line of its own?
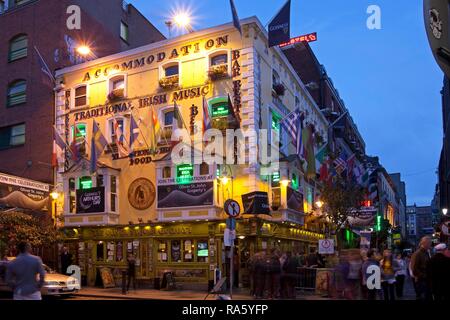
column 440, row 274
column 251, row 270
column 22, row 274
column 290, row 273
column 388, row 269
column 400, row 274
column 370, row 261
column 66, row 259
column 274, row 272
column 312, row 261
column 131, row 271
column 260, row 271
column 283, row 276
column 354, row 276
column 419, row 266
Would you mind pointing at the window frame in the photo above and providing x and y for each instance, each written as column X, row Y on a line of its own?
column 110, row 126
column 73, row 96
column 11, row 53
column 22, row 94
column 9, row 130
column 162, row 70
column 113, row 78
column 127, row 28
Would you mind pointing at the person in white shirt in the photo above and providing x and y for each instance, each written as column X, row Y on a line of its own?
column 400, row 274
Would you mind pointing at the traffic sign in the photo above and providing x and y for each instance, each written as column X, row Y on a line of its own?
column 232, row 208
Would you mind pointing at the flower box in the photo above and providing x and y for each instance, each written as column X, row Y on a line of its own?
column 116, row 94
column 169, row 82
column 218, row 72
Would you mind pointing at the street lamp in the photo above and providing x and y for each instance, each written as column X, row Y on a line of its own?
column 84, row 50
column 285, row 182
column 54, row 195
column 183, row 20
column 319, row 204
column 444, row 211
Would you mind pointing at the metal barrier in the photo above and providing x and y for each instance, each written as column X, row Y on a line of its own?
column 306, row 278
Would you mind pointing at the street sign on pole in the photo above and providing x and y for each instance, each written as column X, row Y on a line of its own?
column 326, row 246
column 232, row 208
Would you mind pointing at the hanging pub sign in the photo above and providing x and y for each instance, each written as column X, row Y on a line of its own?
column 280, row 26
column 436, row 17
column 294, row 200
column 186, row 195
column 16, row 192
column 256, row 203
column 364, row 217
column 91, row 200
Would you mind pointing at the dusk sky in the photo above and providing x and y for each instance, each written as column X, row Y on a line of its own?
column 388, row 78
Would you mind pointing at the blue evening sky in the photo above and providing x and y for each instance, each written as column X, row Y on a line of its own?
column 387, row 78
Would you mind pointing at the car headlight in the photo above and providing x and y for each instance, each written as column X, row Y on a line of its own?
column 51, row 283
column 72, row 281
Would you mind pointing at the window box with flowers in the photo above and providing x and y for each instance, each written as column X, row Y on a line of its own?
column 218, row 72
column 279, row 89
column 169, row 82
column 116, row 94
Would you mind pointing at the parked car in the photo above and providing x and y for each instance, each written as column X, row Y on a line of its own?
column 55, row 284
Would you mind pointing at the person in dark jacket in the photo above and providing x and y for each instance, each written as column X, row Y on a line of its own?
column 439, row 271
column 419, row 267
column 131, row 271
column 259, row 270
column 290, row 273
column 66, row 260
column 273, row 274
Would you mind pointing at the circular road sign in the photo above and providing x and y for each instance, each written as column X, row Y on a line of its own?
column 232, row 208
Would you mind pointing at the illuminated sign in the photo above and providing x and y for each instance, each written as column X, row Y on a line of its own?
column 85, row 183
column 185, row 173
column 220, row 110
column 310, row 37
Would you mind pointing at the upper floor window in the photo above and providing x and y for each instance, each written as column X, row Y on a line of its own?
column 81, row 132
column 12, row 136
column 124, row 33
column 116, row 88
column 167, row 172
column 171, row 71
column 18, row 48
column 81, row 96
column 204, row 169
column 116, row 130
column 219, row 59
column 17, row 93
column 167, row 124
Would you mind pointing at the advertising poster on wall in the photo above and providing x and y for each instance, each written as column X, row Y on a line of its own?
column 91, row 200
column 16, row 192
column 256, row 203
column 294, row 200
column 186, row 195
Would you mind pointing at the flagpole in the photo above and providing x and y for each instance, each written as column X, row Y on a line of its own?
column 45, row 64
column 140, row 131
column 65, row 143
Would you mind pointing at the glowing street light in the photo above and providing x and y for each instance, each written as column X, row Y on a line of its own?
column 183, row 20
column 54, row 195
column 225, row 180
column 84, row 50
column 444, row 211
column 285, row 182
column 319, row 204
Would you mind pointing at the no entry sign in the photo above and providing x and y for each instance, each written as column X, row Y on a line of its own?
column 232, row 208
column 326, row 246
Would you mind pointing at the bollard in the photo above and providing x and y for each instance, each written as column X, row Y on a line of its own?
column 124, row 282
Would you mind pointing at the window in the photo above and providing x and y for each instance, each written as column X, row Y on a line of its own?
column 275, row 78
column 12, row 136
column 100, row 181
column 81, row 132
column 112, row 129
column 171, row 71
column 204, row 169
column 167, row 172
column 188, row 254
column 116, row 88
column 167, row 125
column 113, row 193
column 18, row 48
column 162, row 251
column 219, row 59
column 202, row 251
column 17, row 93
column 81, row 96
column 124, row 33
column 72, row 196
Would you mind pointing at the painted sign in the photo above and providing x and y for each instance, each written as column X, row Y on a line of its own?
column 186, row 195
column 141, row 194
column 91, row 200
column 16, row 192
column 256, row 203
column 364, row 217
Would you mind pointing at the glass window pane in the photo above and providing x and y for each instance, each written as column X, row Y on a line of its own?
column 168, row 118
column 80, row 91
column 124, row 31
column 172, row 71
column 18, row 48
column 220, row 59
column 118, row 84
column 18, row 130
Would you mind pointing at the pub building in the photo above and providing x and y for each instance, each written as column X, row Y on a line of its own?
column 171, row 216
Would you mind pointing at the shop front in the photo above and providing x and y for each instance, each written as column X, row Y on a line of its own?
column 190, row 251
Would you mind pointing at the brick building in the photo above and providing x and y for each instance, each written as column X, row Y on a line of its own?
column 26, row 113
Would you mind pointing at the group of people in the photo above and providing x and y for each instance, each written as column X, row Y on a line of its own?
column 429, row 274
column 273, row 274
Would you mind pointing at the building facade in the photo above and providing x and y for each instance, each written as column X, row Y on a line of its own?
column 170, row 212
column 411, row 225
column 400, row 188
column 30, row 28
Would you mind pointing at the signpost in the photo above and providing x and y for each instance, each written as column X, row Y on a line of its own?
column 232, row 209
column 326, row 246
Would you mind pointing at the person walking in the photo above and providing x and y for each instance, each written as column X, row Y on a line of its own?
column 388, row 269
column 400, row 274
column 274, row 272
column 440, row 274
column 66, row 259
column 22, row 274
column 370, row 261
column 260, row 271
column 419, row 267
column 354, row 276
column 290, row 272
column 131, row 271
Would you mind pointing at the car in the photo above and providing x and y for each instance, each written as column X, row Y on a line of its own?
column 55, row 284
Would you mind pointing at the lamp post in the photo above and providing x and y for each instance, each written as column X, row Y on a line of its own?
column 54, row 195
column 444, row 211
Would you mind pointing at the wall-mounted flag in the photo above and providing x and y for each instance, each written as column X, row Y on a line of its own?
column 236, row 21
column 98, row 144
column 280, row 26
